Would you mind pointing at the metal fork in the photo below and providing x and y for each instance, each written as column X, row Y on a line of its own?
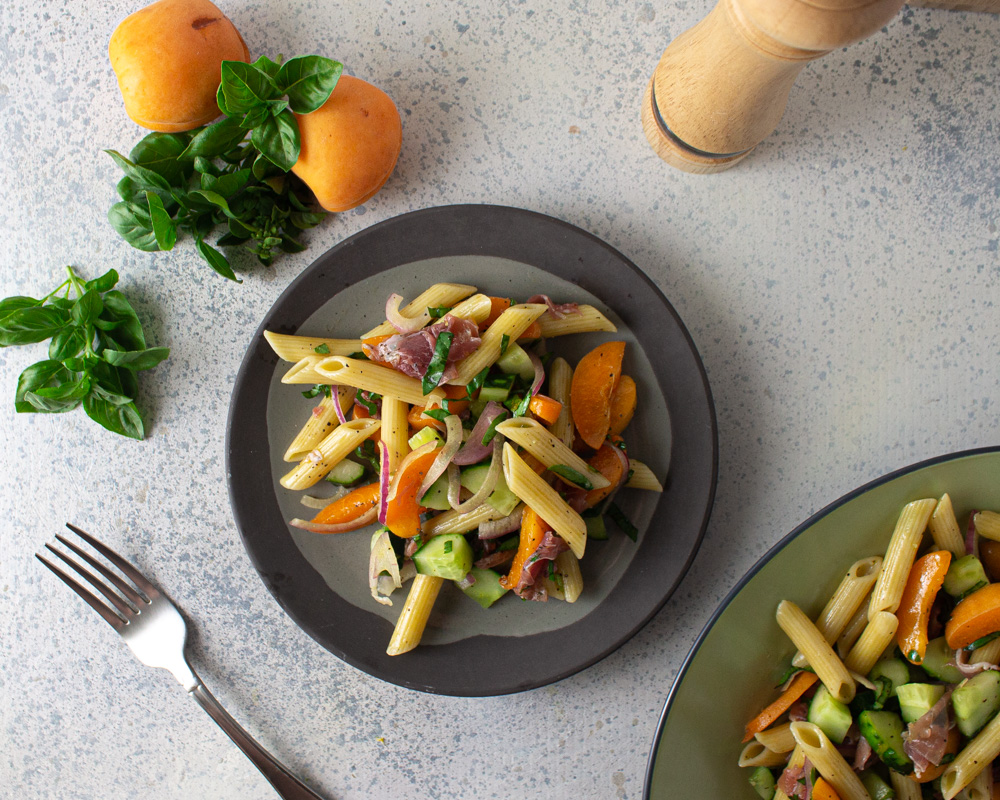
column 155, row 631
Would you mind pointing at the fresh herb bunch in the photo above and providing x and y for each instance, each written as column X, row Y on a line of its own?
column 96, row 350
column 194, row 181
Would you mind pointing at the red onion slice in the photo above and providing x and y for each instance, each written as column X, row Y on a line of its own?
column 343, row 527
column 337, row 402
column 454, row 486
column 971, row 542
column 467, row 582
column 489, row 482
column 539, row 378
column 397, row 320
column 495, row 528
column 474, row 450
column 557, row 310
column 452, row 445
column 383, row 480
column 967, row 669
column 382, row 559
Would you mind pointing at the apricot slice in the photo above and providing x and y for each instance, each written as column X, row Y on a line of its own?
column 349, row 144
column 594, row 382
column 168, row 58
column 623, row 403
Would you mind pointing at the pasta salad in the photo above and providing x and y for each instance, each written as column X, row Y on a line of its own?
column 483, row 459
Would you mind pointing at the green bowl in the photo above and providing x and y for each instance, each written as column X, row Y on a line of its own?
column 731, row 671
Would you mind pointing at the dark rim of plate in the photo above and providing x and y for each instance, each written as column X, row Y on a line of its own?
column 481, row 665
column 682, row 673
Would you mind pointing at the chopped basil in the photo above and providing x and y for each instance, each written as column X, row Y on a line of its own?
column 623, row 522
column 318, row 389
column 522, row 408
column 323, row 349
column 477, row 382
column 359, row 355
column 448, row 546
column 437, row 413
column 492, row 430
column 368, row 403
column 368, row 454
column 980, row 642
column 557, row 579
column 436, row 312
column 504, row 342
column 571, row 475
column 435, row 370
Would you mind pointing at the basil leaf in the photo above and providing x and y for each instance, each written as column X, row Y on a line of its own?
column 267, row 66
column 504, row 343
column 11, row 304
column 306, row 219
column 214, row 199
column 492, row 430
column 104, row 282
column 308, row 81
column 275, row 107
column 215, row 139
column 522, row 408
column 128, row 189
column 436, row 413
column 263, row 168
column 30, row 325
column 323, row 349
column 39, row 375
column 87, row 308
column 136, row 359
column 623, row 522
column 57, row 399
column 436, row 312
column 161, row 152
column 278, row 139
column 254, row 117
column 116, row 385
column 227, row 185
column 290, row 245
column 477, row 382
column 572, row 476
column 369, row 403
column 67, row 343
column 134, row 225
column 118, row 309
column 435, row 369
column 216, row 260
column 164, row 228
column 122, row 419
column 244, row 86
column 145, row 178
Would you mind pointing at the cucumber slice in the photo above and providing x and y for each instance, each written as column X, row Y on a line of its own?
column 877, row 788
column 894, row 670
column 976, row 701
column 936, row 662
column 832, row 716
column 503, row 500
column 422, row 437
column 516, row 362
column 496, row 389
column 437, row 496
column 916, row 699
column 965, row 575
column 345, row 472
column 884, row 732
column 596, row 529
column 487, row 589
column 446, row 556
column 762, row 781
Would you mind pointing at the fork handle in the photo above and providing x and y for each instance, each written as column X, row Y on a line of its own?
column 286, row 784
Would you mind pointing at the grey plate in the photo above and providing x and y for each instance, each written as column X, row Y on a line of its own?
column 321, row 581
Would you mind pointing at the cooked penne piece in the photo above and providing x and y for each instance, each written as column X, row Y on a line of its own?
column 511, row 323
column 972, row 759
column 329, row 452
column 642, row 477
column 585, row 320
column 537, row 440
column 944, row 527
column 757, row 755
column 989, row 652
column 416, row 611
column 560, row 379
column 899, row 557
column 294, row 348
column 905, row 787
column 453, row 522
column 877, row 636
column 304, row 371
column 845, row 601
column 823, row 755
column 439, row 295
column 853, row 630
column 568, row 566
column 807, row 638
column 371, row 377
column 395, row 430
column 476, row 308
column 980, row 787
column 544, row 500
column 777, row 738
column 322, row 420
column 987, row 525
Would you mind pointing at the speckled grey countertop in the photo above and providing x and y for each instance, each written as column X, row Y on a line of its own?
column 841, row 285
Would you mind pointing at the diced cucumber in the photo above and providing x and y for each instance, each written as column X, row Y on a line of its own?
column 496, row 389
column 877, row 788
column 916, row 699
column 965, row 575
column 345, row 472
column 422, row 437
column 487, row 589
column 503, row 500
column 596, row 529
column 762, row 781
column 832, row 716
column 939, row 662
column 437, row 496
column 976, row 701
column 476, row 407
column 446, row 556
column 894, row 669
column 516, row 362
column 884, row 732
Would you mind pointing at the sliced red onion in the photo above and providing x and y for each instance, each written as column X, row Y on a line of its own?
column 474, row 450
column 971, row 543
column 495, row 559
column 467, row 582
column 343, row 527
column 967, row 669
column 495, row 528
column 558, row 310
column 382, row 559
column 338, row 408
column 454, row 486
column 539, row 378
column 383, row 480
column 397, row 320
column 489, row 482
column 452, row 445
column 322, row 502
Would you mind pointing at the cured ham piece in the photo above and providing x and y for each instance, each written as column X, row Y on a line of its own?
column 411, row 353
column 537, row 565
column 926, row 739
column 557, row 310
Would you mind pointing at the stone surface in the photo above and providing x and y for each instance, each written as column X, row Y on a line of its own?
column 841, row 285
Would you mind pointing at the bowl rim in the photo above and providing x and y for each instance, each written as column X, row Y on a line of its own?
column 764, row 559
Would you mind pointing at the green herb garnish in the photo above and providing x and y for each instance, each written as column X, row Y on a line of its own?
column 504, row 343
column 492, row 430
column 435, row 369
column 571, row 475
column 367, row 453
column 448, row 546
column 476, row 383
column 623, row 522
column 318, row 389
column 368, row 403
column 436, row 312
column 437, row 413
column 322, row 349
column 97, row 348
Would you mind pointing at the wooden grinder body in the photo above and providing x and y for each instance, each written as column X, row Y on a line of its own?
column 722, row 86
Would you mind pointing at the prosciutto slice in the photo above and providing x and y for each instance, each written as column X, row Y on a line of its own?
column 537, row 565
column 411, row 353
column 557, row 310
column 926, row 739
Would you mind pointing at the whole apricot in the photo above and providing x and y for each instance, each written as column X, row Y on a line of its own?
column 349, row 144
column 168, row 59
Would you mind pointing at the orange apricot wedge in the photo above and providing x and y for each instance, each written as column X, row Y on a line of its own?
column 594, row 382
column 978, row 615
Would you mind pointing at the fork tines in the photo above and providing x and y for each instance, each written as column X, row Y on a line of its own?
column 120, row 605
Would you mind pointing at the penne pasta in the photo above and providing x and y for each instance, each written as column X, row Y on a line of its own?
column 453, row 522
column 944, row 528
column 823, row 755
column 369, row 377
column 322, row 421
column 395, row 431
column 413, row 618
column 476, row 308
column 853, row 630
column 777, row 738
column 440, row 295
column 642, row 477
column 533, row 437
column 304, row 371
column 972, row 759
column 899, row 557
column 987, row 524
column 980, row 787
column 329, row 452
column 878, row 635
column 544, row 500
column 568, row 566
column 820, row 656
column 294, row 348
column 560, row 380
column 989, row 652
column 756, row 754
column 585, row 320
column 511, row 323
column 905, row 787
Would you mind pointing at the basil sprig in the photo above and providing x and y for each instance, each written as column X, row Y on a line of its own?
column 97, row 346
column 572, row 476
column 195, row 181
column 435, row 369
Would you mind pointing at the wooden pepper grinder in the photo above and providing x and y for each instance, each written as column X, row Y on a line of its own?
column 722, row 86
